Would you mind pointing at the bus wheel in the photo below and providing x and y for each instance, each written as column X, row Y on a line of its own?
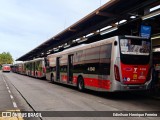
column 80, row 84
column 52, row 79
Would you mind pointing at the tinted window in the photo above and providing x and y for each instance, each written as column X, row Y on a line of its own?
column 135, row 51
column 135, row 46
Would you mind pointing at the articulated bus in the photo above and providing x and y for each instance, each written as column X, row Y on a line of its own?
column 34, row 68
column 119, row 63
column 39, row 69
column 21, row 68
column 18, row 68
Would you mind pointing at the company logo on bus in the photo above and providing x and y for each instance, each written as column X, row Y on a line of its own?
column 135, row 70
column 126, row 79
column 128, row 69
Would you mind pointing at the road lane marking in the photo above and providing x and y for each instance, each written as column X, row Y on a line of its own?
column 15, row 107
column 14, row 104
column 9, row 91
column 11, row 96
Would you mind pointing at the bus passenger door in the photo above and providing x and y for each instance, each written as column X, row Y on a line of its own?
column 57, row 69
column 70, row 69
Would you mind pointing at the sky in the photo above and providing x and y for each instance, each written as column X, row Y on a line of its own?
column 25, row 24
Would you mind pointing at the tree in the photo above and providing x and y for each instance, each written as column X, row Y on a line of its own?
column 6, row 58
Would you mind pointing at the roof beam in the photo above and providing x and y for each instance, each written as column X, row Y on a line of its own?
column 55, row 38
column 45, row 44
column 72, row 30
column 105, row 14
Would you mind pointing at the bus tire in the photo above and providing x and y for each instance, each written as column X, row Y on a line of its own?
column 52, row 78
column 80, row 84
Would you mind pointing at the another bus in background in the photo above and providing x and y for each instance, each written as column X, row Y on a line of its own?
column 6, row 68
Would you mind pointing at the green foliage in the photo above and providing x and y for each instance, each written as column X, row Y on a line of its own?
column 6, row 58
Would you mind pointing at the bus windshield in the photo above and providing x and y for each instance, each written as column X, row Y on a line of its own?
column 5, row 65
column 135, row 51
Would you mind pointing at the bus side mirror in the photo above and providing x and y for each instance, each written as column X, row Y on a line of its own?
column 115, row 43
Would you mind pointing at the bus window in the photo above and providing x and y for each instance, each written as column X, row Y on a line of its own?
column 134, row 47
column 105, row 59
column 135, row 51
column 92, row 60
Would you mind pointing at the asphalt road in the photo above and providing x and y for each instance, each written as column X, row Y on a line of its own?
column 32, row 94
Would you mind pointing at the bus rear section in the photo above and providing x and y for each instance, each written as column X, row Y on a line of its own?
column 6, row 68
column 132, row 68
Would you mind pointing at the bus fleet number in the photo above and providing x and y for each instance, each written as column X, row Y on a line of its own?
column 91, row 69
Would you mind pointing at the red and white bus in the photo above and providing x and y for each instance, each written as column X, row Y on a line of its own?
column 118, row 63
column 35, row 68
column 20, row 67
column 6, row 68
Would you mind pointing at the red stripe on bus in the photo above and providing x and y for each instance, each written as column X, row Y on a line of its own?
column 91, row 82
column 98, row 83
